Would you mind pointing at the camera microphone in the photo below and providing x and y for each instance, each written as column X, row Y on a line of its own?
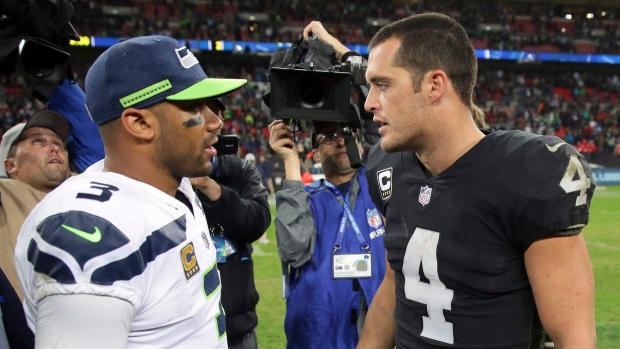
column 353, row 151
column 227, row 144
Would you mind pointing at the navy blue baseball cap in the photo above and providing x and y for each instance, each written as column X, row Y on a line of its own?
column 142, row 71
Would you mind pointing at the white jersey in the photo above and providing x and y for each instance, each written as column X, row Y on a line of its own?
column 101, row 233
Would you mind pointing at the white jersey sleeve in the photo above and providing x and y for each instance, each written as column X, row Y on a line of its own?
column 59, row 316
column 104, row 234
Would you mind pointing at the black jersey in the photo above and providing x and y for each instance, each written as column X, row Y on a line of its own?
column 456, row 241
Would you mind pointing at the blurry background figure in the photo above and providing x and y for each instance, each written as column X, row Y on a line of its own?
column 34, row 158
column 235, row 203
column 306, row 176
column 265, row 167
column 32, row 164
column 252, row 159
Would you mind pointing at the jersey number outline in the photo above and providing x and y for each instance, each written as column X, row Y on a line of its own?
column 422, row 250
column 581, row 183
column 211, row 283
column 103, row 196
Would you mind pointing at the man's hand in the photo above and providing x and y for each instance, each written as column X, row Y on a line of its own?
column 281, row 141
column 207, row 186
column 316, row 28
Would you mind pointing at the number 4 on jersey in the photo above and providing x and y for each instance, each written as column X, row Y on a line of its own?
column 571, row 184
column 422, row 249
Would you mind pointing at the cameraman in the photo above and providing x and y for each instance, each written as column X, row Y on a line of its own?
column 324, row 312
column 235, row 203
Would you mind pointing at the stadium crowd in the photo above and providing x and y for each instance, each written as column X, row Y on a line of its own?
column 493, row 25
column 581, row 107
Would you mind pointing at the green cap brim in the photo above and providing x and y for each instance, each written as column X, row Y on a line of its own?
column 208, row 88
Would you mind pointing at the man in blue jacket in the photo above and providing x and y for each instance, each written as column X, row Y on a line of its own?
column 331, row 235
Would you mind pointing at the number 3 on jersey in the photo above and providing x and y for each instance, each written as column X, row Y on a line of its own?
column 422, row 249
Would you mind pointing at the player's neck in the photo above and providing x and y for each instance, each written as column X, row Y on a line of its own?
column 145, row 174
column 448, row 145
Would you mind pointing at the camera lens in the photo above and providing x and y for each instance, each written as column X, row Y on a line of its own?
column 311, row 93
column 35, row 68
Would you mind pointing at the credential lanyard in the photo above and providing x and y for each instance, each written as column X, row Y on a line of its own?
column 347, row 215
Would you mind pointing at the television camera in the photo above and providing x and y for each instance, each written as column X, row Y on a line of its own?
column 32, row 34
column 306, row 82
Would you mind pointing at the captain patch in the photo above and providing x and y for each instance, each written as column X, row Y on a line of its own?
column 189, row 261
column 384, row 177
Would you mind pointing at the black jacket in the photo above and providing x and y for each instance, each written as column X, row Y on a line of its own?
column 243, row 213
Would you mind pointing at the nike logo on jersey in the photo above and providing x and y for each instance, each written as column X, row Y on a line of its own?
column 554, row 148
column 92, row 237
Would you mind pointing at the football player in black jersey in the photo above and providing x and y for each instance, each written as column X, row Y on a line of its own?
column 483, row 235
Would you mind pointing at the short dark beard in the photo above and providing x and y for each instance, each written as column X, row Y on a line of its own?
column 330, row 167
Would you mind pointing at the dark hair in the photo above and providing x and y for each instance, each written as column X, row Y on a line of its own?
column 318, row 125
column 433, row 41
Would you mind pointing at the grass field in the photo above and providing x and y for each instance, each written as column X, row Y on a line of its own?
column 602, row 236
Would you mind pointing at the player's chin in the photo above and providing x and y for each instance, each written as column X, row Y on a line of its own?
column 202, row 165
column 199, row 171
column 388, row 145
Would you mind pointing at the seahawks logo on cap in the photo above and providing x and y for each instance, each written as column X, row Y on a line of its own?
column 384, row 177
column 186, row 57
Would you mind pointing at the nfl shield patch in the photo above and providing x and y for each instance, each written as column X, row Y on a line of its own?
column 374, row 220
column 425, row 195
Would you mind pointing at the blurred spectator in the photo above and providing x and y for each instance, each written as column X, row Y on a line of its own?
column 265, row 167
column 251, row 158
column 531, row 100
column 36, row 158
column 306, row 176
column 500, row 25
column 235, row 204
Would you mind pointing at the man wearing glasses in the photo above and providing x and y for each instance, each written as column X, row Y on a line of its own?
column 331, row 235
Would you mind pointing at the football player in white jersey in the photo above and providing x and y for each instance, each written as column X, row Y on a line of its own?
column 120, row 256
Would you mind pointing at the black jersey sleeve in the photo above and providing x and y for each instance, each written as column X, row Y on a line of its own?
column 562, row 194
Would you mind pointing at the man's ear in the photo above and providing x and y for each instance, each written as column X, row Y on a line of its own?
column 315, row 155
column 139, row 123
column 438, row 82
column 9, row 165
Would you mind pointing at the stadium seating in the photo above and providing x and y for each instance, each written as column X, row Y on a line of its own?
column 576, row 106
